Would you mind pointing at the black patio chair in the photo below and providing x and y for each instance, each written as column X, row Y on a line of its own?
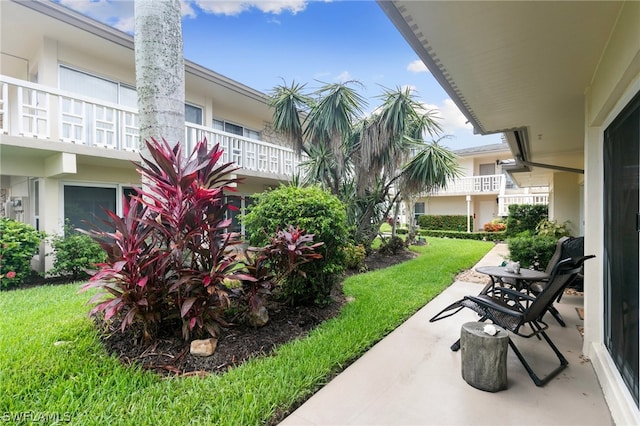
column 512, row 310
column 567, row 247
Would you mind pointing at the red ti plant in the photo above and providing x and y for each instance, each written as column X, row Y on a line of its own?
column 278, row 263
column 130, row 277
column 183, row 234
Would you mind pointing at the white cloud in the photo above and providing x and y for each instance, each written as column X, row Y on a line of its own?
column 321, row 75
column 236, row 7
column 116, row 13
column 411, row 88
column 451, row 119
column 120, row 13
column 417, row 66
column 187, row 9
column 127, row 24
column 343, row 77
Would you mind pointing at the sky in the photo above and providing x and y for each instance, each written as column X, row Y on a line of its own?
column 263, row 44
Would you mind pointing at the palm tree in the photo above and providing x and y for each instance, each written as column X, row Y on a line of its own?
column 363, row 159
column 159, row 70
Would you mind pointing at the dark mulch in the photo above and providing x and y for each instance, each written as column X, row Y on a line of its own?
column 169, row 355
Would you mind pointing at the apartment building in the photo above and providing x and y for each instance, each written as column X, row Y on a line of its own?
column 68, row 120
column 484, row 190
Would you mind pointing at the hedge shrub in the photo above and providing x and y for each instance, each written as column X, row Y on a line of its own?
column 525, row 217
column 319, row 213
column 19, row 242
column 75, row 253
column 481, row 236
column 444, row 222
column 532, row 251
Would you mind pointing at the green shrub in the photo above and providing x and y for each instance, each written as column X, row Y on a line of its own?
column 75, row 253
column 444, row 222
column 531, row 250
column 392, row 245
column 314, row 210
column 19, row 242
column 354, row 256
column 525, row 217
column 551, row 228
column 480, row 236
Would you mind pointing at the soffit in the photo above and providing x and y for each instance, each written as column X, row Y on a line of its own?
column 513, row 65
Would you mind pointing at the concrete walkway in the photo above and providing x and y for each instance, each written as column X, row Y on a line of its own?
column 412, row 377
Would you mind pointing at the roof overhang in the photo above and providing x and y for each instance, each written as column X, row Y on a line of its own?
column 519, row 68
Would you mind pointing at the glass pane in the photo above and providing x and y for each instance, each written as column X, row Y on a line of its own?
column 487, row 169
column 232, row 128
column 88, row 85
column 218, row 125
column 621, row 242
column 192, row 114
column 234, row 201
column 84, row 203
column 128, row 96
column 252, row 134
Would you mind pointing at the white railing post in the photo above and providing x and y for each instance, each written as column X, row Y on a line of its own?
column 4, row 109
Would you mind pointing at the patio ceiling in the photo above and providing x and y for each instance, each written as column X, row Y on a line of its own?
column 516, row 67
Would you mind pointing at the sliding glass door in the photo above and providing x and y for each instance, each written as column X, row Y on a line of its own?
column 621, row 242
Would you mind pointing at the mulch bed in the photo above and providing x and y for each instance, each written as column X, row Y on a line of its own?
column 169, row 355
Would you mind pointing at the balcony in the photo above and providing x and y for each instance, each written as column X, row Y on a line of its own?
column 504, row 201
column 473, row 185
column 35, row 111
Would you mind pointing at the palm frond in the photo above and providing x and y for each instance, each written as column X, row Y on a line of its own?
column 288, row 103
column 430, row 169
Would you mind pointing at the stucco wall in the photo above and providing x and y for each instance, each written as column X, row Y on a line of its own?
column 614, row 84
column 566, row 206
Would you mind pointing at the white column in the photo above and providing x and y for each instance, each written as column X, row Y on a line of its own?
column 468, row 213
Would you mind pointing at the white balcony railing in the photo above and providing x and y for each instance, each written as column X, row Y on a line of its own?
column 492, row 185
column 504, row 201
column 489, row 184
column 37, row 111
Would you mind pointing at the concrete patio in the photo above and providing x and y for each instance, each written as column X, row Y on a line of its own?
column 412, row 377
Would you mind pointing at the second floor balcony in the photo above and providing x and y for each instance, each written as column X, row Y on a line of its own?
column 470, row 185
column 44, row 113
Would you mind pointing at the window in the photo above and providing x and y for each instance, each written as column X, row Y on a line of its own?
column 36, row 203
column 418, row 210
column 192, row 114
column 88, row 85
column 86, row 203
column 233, row 128
column 487, row 169
column 240, row 203
column 128, row 96
column 236, row 129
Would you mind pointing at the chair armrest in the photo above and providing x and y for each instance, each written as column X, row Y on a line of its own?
column 491, row 304
column 514, row 294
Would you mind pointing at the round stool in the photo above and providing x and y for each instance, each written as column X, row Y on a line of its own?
column 484, row 357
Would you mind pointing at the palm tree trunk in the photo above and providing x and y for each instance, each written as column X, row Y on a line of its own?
column 159, row 70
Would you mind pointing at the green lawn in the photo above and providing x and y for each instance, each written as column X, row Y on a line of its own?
column 77, row 381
